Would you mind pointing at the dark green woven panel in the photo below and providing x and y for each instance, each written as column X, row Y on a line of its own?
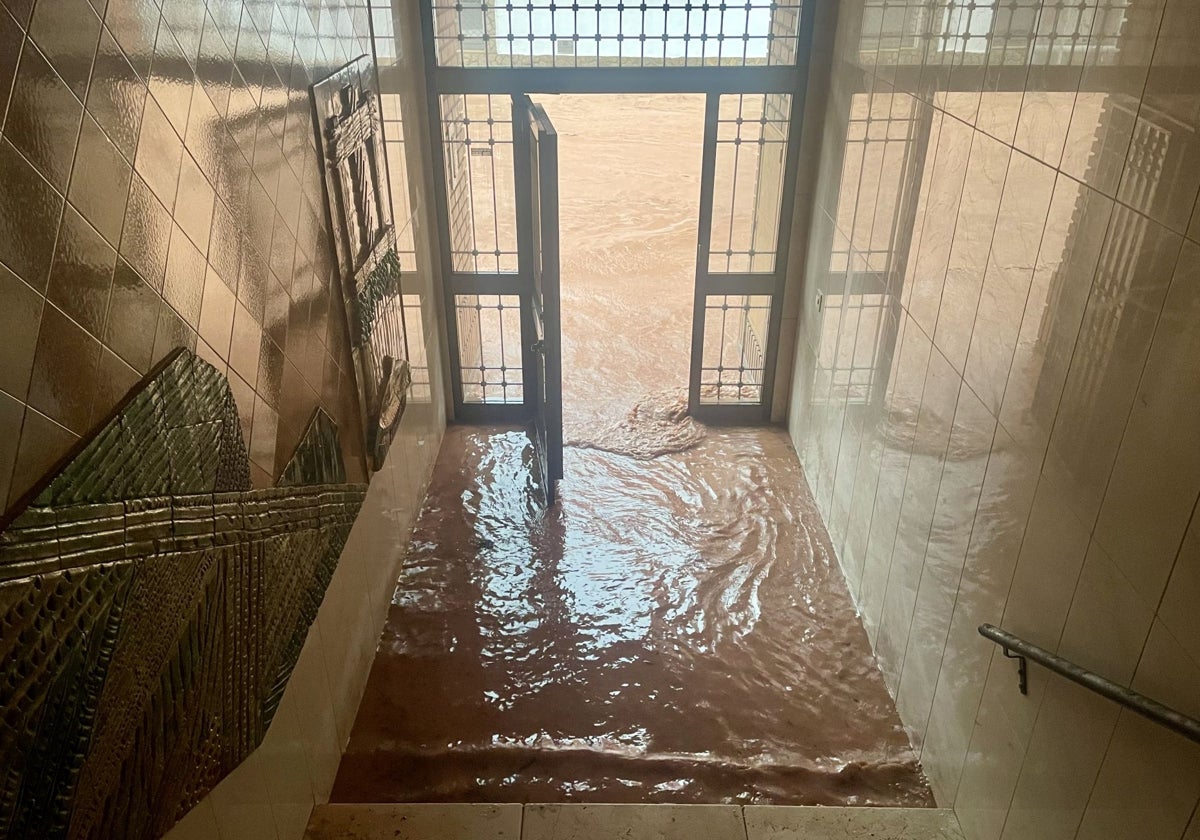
column 178, row 435
column 56, row 639
column 379, row 290
column 152, row 609
column 318, row 458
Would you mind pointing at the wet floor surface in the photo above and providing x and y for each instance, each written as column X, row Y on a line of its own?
column 676, row 630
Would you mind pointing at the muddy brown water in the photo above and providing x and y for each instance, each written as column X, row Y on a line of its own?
column 677, row 628
column 629, row 193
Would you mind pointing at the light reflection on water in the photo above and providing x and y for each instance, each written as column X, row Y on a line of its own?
column 676, row 630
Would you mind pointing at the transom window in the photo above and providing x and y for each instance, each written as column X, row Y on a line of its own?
column 615, row 33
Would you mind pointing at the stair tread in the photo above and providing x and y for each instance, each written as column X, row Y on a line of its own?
column 574, row 821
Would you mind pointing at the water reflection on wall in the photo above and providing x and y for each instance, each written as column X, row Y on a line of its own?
column 996, row 396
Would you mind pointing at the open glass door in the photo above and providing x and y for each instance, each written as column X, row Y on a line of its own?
column 745, row 204
column 536, row 151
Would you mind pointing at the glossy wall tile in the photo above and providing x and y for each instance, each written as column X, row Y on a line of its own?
column 994, row 389
column 133, row 189
column 160, row 186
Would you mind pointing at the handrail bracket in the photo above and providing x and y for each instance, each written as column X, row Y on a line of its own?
column 1022, row 669
column 1015, row 647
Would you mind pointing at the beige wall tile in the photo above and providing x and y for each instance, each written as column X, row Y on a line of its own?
column 941, row 573
column 1109, row 621
column 853, row 552
column 1137, row 260
column 1060, row 767
column 973, row 235
column 290, row 818
column 284, row 758
column 246, row 822
column 1010, row 266
column 949, row 152
column 1114, row 76
column 1156, row 476
column 241, row 803
column 1168, row 673
column 1048, row 567
column 992, row 764
column 1164, row 185
column 1193, row 830
column 1178, row 608
column 314, row 709
column 1062, row 282
column 1005, row 499
column 1149, row 784
column 1038, row 247
column 926, row 461
column 1044, row 120
column 199, row 824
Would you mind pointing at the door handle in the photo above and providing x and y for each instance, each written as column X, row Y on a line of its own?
column 538, row 346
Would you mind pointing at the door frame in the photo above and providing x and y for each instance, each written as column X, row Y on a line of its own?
column 534, row 137
column 771, row 283
column 709, row 80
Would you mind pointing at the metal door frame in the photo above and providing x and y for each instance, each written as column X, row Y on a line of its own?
column 741, row 283
column 709, row 80
column 533, row 245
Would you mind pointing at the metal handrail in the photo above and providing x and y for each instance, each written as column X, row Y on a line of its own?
column 1017, row 648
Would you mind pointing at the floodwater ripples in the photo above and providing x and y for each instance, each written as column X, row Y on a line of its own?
column 676, row 629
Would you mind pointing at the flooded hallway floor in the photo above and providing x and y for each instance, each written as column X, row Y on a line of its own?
column 675, row 630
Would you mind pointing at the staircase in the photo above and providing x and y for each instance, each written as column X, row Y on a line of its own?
column 627, row 822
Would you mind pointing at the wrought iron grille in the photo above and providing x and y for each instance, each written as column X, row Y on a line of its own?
column 733, row 359
column 752, row 133
column 383, row 32
column 489, row 347
column 402, row 214
column 418, row 359
column 615, row 33
column 854, row 363
column 477, row 140
column 883, row 133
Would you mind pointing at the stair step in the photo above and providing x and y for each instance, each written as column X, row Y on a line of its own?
column 470, row 821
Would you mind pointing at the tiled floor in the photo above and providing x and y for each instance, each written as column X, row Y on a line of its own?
column 627, row 822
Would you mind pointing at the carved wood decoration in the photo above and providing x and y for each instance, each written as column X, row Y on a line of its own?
column 152, row 608
column 358, row 199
